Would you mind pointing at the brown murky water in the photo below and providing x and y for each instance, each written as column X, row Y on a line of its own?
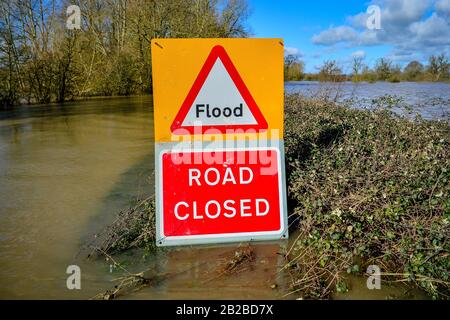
column 64, row 173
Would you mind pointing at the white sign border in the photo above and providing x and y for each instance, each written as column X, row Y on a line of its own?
column 216, row 238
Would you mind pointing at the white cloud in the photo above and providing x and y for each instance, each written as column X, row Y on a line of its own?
column 335, row 35
column 368, row 38
column 443, row 6
column 394, row 13
column 292, row 51
column 432, row 29
column 359, row 54
column 359, row 20
column 398, row 13
column 401, row 56
column 405, row 25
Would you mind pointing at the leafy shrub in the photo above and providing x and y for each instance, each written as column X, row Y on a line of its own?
column 369, row 186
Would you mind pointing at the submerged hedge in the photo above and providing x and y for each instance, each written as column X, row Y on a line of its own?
column 367, row 187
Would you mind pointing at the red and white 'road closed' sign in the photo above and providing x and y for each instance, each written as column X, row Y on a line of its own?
column 221, row 199
column 218, row 115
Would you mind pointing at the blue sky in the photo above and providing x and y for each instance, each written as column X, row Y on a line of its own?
column 319, row 30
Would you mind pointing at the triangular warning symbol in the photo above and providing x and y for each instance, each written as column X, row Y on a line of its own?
column 218, row 99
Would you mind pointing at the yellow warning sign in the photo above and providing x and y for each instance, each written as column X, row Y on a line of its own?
column 217, row 88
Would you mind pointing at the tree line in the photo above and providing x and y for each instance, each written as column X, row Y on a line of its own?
column 437, row 69
column 42, row 61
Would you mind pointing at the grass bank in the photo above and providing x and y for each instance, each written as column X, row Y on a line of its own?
column 364, row 188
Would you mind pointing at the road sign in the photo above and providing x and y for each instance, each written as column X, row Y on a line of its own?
column 204, row 199
column 218, row 99
column 218, row 117
column 176, row 65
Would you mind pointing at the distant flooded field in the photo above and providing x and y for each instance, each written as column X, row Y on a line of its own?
column 430, row 100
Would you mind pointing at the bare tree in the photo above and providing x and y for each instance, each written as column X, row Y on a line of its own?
column 383, row 68
column 357, row 67
column 438, row 67
column 413, row 70
column 41, row 61
column 293, row 68
column 330, row 71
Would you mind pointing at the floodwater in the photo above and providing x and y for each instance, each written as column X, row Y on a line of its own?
column 427, row 99
column 66, row 170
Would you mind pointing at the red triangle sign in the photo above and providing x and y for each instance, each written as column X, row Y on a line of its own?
column 218, row 99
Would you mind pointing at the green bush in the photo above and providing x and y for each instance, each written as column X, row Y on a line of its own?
column 394, row 79
column 367, row 186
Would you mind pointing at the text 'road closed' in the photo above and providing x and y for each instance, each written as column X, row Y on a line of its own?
column 221, row 198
